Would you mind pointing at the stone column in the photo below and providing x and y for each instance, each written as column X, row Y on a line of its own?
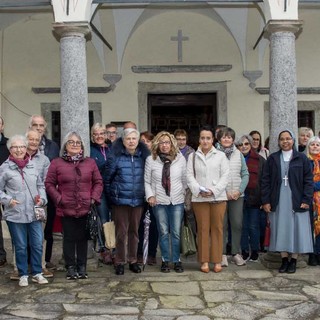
column 283, row 95
column 74, row 88
column 282, row 78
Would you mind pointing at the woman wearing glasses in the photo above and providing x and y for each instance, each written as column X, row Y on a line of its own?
column 165, row 184
column 21, row 187
column 74, row 183
column 286, row 193
column 250, row 237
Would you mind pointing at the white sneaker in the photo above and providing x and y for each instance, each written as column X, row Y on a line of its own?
column 224, row 262
column 23, row 282
column 238, row 260
column 39, row 278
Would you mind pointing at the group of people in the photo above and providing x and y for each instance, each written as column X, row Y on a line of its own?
column 235, row 184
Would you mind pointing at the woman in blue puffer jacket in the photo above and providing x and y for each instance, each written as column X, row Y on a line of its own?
column 124, row 185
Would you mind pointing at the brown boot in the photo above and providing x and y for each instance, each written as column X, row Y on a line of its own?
column 106, row 257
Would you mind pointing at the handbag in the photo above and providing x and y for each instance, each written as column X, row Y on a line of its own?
column 93, row 225
column 39, row 212
column 267, row 234
column 187, row 239
column 109, row 231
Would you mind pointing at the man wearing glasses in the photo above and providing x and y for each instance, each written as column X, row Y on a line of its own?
column 111, row 131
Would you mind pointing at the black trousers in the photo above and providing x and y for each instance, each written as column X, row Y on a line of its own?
column 75, row 243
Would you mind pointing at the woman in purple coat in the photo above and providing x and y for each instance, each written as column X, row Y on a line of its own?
column 74, row 183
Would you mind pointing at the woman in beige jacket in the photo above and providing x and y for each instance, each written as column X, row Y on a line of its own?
column 207, row 178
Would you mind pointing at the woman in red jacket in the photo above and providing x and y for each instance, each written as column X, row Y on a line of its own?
column 74, row 183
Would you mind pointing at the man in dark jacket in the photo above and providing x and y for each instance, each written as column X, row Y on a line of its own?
column 51, row 150
column 4, row 154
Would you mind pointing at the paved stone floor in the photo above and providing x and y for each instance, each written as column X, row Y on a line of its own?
column 248, row 292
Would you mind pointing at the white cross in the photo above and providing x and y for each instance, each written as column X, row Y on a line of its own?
column 285, row 178
column 179, row 38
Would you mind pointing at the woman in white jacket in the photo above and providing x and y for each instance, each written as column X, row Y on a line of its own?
column 207, row 177
column 165, row 184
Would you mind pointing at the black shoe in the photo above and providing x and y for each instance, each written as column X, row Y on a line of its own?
column 292, row 266
column 312, row 261
column 134, row 267
column 284, row 266
column 254, row 256
column 82, row 272
column 178, row 267
column 119, row 269
column 245, row 255
column 71, row 273
column 165, row 267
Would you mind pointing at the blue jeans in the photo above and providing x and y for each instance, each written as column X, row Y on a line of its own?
column 250, row 229
column 21, row 233
column 169, row 219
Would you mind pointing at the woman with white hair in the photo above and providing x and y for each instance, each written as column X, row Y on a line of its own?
column 21, row 188
column 124, row 185
column 74, row 183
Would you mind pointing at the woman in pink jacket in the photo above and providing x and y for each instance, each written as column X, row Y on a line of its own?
column 74, row 183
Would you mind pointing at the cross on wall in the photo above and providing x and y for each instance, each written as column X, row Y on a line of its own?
column 180, row 38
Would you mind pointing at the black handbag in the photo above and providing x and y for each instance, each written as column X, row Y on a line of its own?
column 94, row 226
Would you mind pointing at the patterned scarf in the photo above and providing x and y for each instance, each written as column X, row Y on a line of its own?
column 166, row 183
column 228, row 151
column 316, row 195
column 73, row 159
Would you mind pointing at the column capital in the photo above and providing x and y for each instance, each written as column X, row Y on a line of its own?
column 294, row 26
column 72, row 29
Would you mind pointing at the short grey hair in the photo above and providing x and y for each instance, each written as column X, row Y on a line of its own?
column 67, row 137
column 37, row 116
column 311, row 140
column 17, row 137
column 126, row 132
column 244, row 137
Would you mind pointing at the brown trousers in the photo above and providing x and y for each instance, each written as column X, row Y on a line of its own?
column 127, row 221
column 209, row 218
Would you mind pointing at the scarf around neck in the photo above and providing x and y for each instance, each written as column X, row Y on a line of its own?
column 20, row 163
column 228, row 151
column 75, row 158
column 166, row 183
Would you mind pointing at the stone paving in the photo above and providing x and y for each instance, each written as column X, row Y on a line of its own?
column 248, row 292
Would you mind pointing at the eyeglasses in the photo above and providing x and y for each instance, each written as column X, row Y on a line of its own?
column 99, row 134
column 74, row 143
column 165, row 143
column 285, row 139
column 111, row 133
column 243, row 144
column 18, row 147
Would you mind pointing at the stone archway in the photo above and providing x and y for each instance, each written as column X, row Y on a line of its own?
column 145, row 88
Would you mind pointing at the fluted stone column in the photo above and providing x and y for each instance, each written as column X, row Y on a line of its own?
column 283, row 81
column 74, row 88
